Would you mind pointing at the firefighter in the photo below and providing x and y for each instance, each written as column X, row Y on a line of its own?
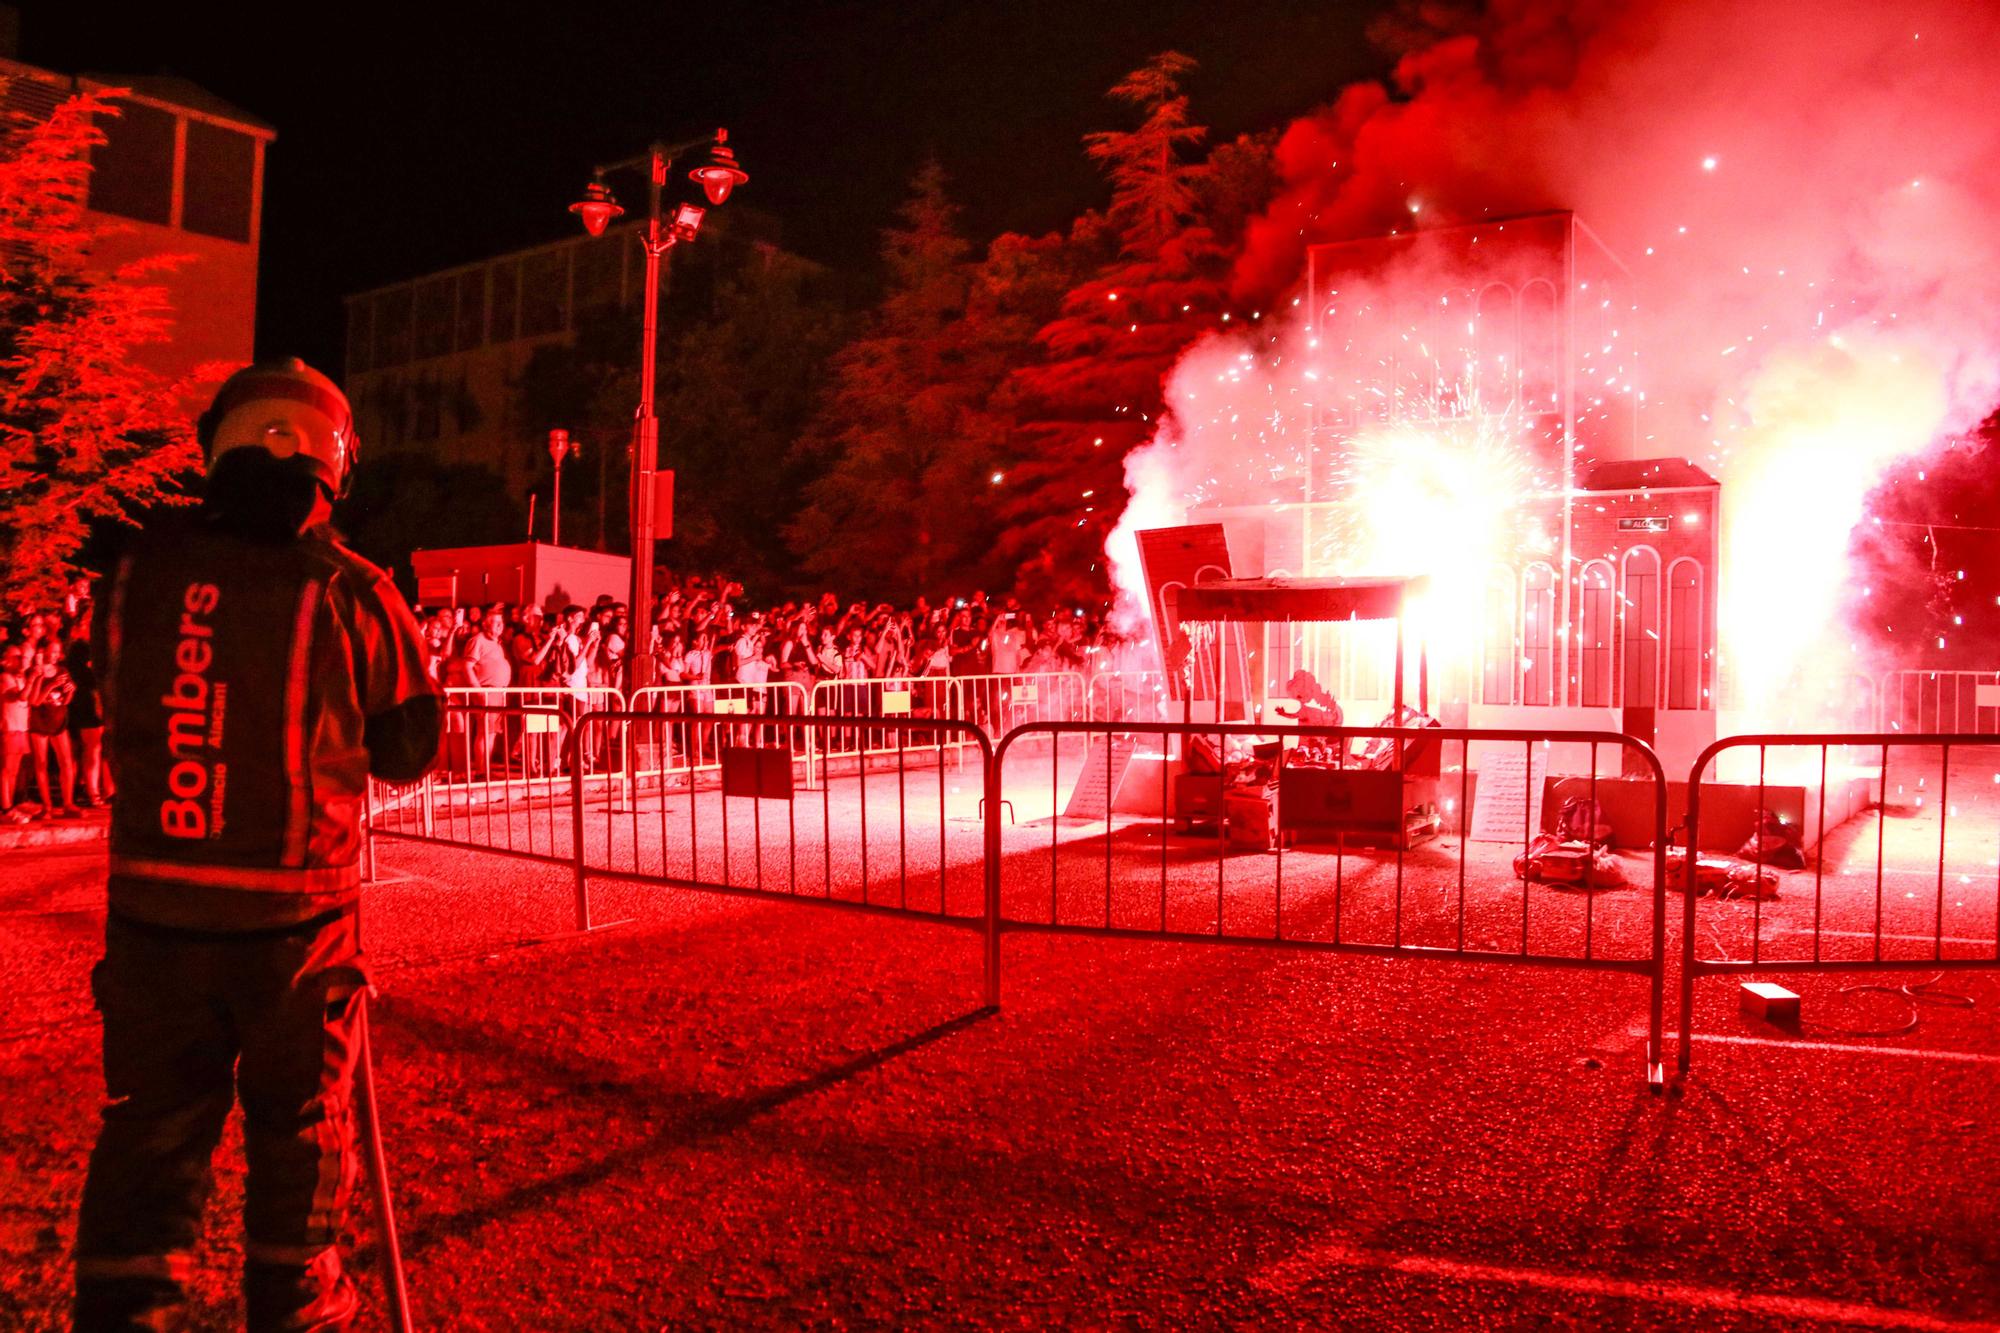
column 257, row 673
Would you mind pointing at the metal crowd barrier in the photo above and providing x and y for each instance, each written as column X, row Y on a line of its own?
column 1939, row 702
column 720, row 838
column 1127, row 696
column 1132, row 882
column 912, row 699
column 486, row 793
column 533, row 744
column 898, row 830
column 1869, row 930
column 680, row 750
column 997, row 704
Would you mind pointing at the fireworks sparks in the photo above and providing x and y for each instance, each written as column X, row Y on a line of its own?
column 1820, row 308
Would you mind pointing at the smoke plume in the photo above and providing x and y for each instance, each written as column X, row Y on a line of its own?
column 1806, row 194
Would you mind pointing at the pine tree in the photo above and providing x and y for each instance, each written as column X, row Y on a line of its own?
column 910, row 431
column 735, row 392
column 1097, row 388
column 86, row 435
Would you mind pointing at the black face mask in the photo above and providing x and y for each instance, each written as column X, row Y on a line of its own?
column 254, row 494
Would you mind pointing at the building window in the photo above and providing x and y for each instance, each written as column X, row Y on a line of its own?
column 600, row 270
column 427, row 400
column 471, row 309
column 1415, row 396
column 1538, row 636
column 392, row 327
column 132, row 171
column 545, row 292
column 1502, row 649
column 505, row 324
column 220, row 182
column 360, row 335
column 1641, row 609
column 1597, row 619
column 1540, row 375
column 1684, row 635
column 436, row 316
column 1457, row 353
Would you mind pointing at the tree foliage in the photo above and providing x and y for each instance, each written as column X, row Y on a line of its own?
column 586, row 386
column 407, row 500
column 914, row 427
column 736, row 392
column 976, row 430
column 86, row 434
column 739, row 372
column 1097, row 388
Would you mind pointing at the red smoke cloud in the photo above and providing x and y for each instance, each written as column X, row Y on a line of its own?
column 1807, row 194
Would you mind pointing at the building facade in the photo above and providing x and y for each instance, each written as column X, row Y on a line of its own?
column 180, row 174
column 434, row 363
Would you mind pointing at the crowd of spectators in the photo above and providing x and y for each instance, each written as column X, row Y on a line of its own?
column 703, row 633
column 52, row 750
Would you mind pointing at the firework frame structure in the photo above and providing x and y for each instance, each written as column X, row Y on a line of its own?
column 1389, row 793
column 1474, row 418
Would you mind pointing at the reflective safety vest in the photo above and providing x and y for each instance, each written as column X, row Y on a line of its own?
column 249, row 688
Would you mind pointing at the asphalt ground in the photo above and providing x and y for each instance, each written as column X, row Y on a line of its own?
column 734, row 1110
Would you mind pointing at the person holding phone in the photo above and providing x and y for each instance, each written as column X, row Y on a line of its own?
column 50, row 690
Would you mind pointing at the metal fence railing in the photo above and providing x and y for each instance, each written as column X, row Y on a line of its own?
column 1901, row 912
column 897, row 839
column 1939, row 702
column 1104, row 827
column 1126, row 696
column 486, row 793
column 905, row 699
column 1338, row 788
column 527, row 743
column 678, row 749
column 997, row 704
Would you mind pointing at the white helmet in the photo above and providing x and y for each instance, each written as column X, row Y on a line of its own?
column 289, row 410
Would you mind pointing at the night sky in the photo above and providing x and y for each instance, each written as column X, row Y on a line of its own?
column 418, row 137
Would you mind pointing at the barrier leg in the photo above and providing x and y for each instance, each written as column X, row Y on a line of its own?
column 1686, row 1055
column 378, row 1174
column 1656, row 1055
column 576, row 834
column 990, row 833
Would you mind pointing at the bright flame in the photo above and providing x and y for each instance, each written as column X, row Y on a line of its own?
column 1819, row 424
column 1434, row 504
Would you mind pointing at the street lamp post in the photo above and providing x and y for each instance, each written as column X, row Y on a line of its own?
column 559, row 449
column 717, row 173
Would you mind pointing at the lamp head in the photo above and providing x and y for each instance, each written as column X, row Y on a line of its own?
column 597, row 208
column 718, row 172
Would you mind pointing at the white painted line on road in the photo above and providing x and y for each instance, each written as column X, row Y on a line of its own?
column 1986, row 943
column 1289, row 1274
column 1906, row 1052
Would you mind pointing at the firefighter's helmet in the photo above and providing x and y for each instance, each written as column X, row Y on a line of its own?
column 289, row 410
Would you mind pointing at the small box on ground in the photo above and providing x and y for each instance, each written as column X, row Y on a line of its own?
column 1771, row 1002
column 762, row 771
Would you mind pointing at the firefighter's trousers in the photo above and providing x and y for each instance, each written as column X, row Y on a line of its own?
column 191, row 1022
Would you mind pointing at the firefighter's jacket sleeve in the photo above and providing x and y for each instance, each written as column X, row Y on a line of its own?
column 401, row 707
column 252, row 689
